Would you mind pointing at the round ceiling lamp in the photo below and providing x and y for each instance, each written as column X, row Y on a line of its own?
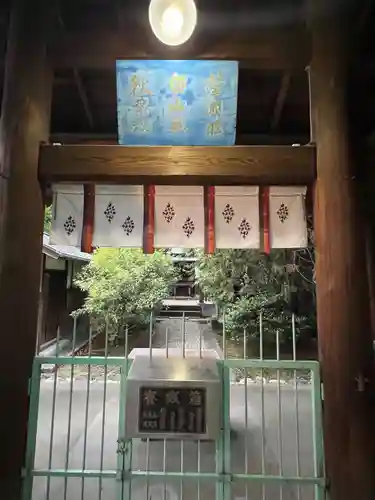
column 172, row 21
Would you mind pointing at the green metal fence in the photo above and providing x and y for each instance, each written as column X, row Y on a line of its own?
column 270, row 447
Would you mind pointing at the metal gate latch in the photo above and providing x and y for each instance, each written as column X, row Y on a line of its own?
column 122, row 447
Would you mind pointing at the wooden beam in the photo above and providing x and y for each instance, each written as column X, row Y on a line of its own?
column 363, row 17
column 356, row 36
column 241, row 139
column 79, row 83
column 280, row 100
column 164, row 164
column 24, row 124
column 366, row 181
column 276, row 49
column 370, row 258
column 83, row 96
column 344, row 333
column 370, row 139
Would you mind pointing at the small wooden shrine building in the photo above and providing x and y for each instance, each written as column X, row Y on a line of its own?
column 58, row 294
column 306, row 77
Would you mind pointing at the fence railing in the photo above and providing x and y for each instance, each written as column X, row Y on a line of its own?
column 270, row 447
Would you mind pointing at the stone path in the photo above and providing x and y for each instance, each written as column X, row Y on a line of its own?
column 198, row 333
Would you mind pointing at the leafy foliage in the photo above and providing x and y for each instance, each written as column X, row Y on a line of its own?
column 229, row 274
column 47, row 219
column 246, row 283
column 124, row 285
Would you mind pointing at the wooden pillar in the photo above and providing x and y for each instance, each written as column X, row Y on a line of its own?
column 24, row 124
column 370, row 249
column 343, row 311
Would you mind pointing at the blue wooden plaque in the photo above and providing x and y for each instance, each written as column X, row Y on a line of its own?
column 177, row 103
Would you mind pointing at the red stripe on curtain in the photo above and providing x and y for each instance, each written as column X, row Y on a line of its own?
column 266, row 220
column 210, row 219
column 88, row 217
column 149, row 228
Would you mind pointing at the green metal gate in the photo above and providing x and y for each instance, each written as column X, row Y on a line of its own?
column 76, row 448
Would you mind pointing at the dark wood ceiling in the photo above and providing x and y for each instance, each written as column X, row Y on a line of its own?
column 257, row 114
column 273, row 104
column 92, row 96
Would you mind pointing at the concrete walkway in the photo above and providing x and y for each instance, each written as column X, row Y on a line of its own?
column 198, row 333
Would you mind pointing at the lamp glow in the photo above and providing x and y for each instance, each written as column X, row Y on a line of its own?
column 172, row 21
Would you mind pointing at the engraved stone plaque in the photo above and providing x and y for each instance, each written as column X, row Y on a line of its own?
column 169, row 396
column 172, row 409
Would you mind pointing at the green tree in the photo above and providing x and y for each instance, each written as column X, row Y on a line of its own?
column 229, row 274
column 124, row 285
column 246, row 283
column 47, row 219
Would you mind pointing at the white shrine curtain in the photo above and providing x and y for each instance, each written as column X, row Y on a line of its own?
column 237, row 217
column 67, row 210
column 288, row 228
column 179, row 217
column 119, row 212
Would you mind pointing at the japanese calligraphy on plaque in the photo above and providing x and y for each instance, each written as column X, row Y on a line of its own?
column 181, row 103
column 172, row 410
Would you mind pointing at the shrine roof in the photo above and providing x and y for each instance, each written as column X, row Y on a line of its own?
column 63, row 252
